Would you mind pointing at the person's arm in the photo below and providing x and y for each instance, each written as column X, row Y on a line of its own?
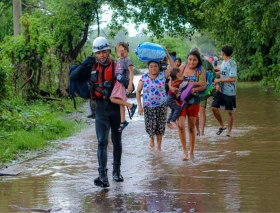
column 231, row 79
column 171, row 63
column 138, row 97
column 80, row 74
column 218, row 80
column 169, row 58
column 131, row 76
column 167, row 71
column 232, row 74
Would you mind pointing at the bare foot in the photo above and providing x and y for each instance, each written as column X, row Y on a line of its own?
column 185, row 157
column 159, row 149
column 228, row 134
column 191, row 155
column 152, row 144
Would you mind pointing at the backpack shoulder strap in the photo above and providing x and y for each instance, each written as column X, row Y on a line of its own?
column 94, row 66
column 199, row 69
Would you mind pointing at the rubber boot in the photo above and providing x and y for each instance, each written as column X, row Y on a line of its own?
column 102, row 180
column 117, row 173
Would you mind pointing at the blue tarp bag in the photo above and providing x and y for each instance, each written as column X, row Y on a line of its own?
column 148, row 51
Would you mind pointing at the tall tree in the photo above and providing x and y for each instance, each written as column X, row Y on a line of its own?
column 17, row 12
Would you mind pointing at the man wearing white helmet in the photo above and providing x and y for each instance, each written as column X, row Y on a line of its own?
column 107, row 113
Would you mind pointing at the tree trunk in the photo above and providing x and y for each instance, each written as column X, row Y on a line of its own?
column 17, row 12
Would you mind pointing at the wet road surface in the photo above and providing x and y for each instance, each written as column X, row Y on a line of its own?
column 236, row 174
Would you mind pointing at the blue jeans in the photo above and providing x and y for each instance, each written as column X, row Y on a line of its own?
column 175, row 109
column 108, row 117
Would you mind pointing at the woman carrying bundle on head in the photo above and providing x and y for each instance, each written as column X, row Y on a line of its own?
column 154, row 105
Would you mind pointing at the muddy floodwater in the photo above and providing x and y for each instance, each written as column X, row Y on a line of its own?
column 227, row 174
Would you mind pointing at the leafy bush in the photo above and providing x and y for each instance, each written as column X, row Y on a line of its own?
column 26, row 127
column 3, row 80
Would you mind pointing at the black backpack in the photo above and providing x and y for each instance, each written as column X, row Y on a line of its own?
column 79, row 75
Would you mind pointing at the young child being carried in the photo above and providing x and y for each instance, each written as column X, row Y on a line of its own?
column 173, row 100
column 118, row 96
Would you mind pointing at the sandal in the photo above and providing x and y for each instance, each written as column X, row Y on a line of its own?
column 220, row 131
column 122, row 126
column 132, row 110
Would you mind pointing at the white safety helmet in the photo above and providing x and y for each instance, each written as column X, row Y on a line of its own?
column 99, row 44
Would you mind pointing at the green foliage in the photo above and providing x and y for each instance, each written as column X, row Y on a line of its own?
column 28, row 126
column 252, row 28
column 6, row 19
column 26, row 53
column 3, row 80
column 77, row 15
column 162, row 17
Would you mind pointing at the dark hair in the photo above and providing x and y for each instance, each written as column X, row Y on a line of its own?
column 153, row 62
column 228, row 50
column 179, row 59
column 196, row 53
column 173, row 73
column 194, row 49
column 123, row 44
column 173, row 53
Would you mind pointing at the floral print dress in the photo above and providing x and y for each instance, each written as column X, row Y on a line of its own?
column 154, row 102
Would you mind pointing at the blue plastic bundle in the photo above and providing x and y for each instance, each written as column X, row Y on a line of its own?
column 148, row 51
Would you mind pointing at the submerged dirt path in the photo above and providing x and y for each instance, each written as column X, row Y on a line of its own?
column 154, row 181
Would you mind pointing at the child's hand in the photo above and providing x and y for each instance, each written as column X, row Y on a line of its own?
column 174, row 90
column 140, row 110
column 130, row 88
column 217, row 80
column 193, row 91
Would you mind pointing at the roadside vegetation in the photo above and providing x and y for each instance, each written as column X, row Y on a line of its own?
column 27, row 128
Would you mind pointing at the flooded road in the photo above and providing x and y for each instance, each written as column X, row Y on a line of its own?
column 236, row 174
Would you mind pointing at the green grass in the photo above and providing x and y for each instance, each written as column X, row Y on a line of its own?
column 30, row 127
column 243, row 84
